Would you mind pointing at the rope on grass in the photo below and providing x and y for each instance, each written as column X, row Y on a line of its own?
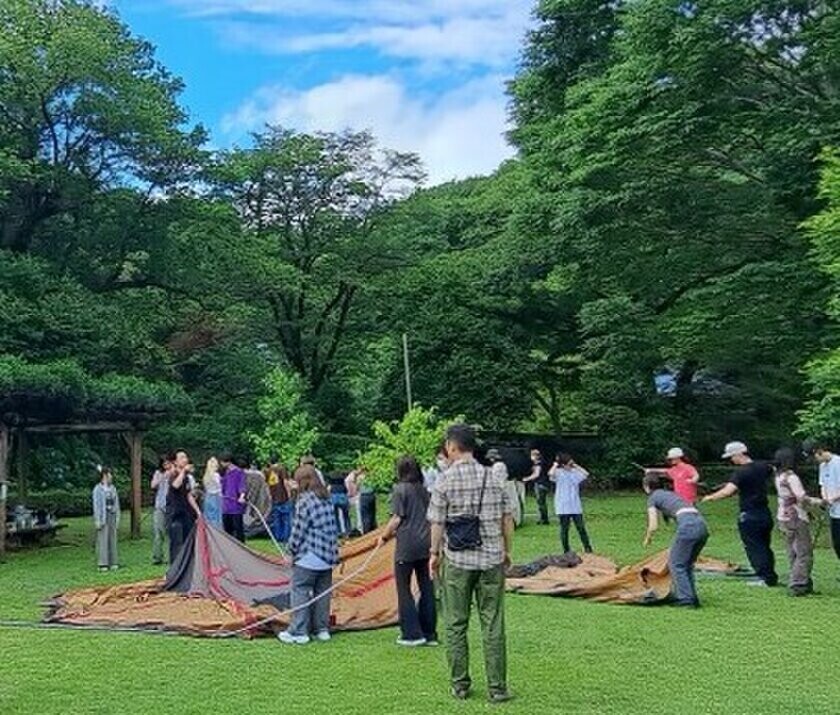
column 302, row 606
column 38, row 625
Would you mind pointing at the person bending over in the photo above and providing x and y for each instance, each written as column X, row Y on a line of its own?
column 689, row 540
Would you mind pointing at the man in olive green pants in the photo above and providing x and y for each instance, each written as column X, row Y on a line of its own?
column 488, row 589
column 472, row 570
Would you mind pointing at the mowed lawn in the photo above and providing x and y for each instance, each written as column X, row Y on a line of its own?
column 748, row 650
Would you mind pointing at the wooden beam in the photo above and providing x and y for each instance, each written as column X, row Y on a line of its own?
column 21, row 461
column 4, row 473
column 78, row 428
column 136, row 450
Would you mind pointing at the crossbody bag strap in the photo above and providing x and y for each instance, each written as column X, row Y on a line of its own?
column 481, row 494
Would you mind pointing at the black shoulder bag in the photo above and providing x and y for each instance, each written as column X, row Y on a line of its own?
column 463, row 532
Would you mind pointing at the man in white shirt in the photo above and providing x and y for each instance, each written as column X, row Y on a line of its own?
column 830, row 488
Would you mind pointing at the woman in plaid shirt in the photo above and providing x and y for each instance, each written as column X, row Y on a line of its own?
column 314, row 549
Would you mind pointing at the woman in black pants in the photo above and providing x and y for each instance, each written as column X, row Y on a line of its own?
column 409, row 503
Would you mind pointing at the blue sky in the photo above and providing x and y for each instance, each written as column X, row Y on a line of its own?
column 423, row 75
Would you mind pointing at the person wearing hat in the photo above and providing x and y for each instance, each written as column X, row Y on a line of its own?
column 499, row 469
column 684, row 476
column 755, row 523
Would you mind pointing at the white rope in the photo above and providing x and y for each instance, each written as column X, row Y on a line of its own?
column 264, row 523
column 302, row 606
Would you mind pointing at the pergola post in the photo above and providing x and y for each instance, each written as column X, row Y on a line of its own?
column 21, row 459
column 4, row 472
column 135, row 442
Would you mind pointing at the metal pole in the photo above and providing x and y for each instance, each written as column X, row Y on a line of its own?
column 4, row 463
column 407, row 372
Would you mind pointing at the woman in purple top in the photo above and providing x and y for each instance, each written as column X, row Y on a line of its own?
column 234, row 487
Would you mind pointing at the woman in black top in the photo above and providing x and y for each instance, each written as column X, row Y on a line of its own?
column 409, row 503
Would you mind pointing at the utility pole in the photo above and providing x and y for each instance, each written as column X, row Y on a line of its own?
column 407, row 372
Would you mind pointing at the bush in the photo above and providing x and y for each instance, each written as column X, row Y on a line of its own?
column 418, row 433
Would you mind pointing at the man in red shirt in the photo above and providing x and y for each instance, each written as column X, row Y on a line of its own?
column 684, row 476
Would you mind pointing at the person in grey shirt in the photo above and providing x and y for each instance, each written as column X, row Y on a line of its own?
column 160, row 484
column 688, row 542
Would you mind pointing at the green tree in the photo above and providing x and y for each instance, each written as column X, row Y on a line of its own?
column 289, row 432
column 84, row 106
column 308, row 204
column 821, row 416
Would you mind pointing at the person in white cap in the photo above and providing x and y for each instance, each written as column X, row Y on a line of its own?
column 683, row 475
column 755, row 523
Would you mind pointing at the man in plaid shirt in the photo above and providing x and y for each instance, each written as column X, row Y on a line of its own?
column 472, row 573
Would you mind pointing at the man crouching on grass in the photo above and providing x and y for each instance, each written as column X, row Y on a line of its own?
column 472, row 527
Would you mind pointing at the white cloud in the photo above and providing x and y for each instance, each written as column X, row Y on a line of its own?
column 457, row 134
column 483, row 32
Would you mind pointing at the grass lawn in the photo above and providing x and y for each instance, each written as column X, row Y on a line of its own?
column 748, row 650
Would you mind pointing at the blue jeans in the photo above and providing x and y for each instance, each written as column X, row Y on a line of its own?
column 306, row 585
column 341, row 506
column 213, row 509
column 689, row 541
column 280, row 521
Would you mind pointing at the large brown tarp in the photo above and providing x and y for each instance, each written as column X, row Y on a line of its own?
column 218, row 586
column 598, row 579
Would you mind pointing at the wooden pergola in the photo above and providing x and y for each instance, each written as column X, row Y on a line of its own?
column 16, row 427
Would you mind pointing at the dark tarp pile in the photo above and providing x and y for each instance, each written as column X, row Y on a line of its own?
column 598, row 579
column 218, row 586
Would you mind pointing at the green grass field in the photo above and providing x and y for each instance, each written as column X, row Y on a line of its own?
column 747, row 650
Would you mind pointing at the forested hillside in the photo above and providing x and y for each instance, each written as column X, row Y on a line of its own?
column 671, row 220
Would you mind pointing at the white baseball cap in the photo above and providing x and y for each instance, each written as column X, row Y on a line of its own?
column 675, row 453
column 734, row 448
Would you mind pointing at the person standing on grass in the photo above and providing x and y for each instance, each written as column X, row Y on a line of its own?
column 829, row 464
column 212, row 484
column 314, row 550
column 755, row 523
column 280, row 519
column 472, row 530
column 234, row 489
column 181, row 507
column 409, row 504
column 683, row 476
column 542, row 484
column 106, row 519
column 794, row 523
column 688, row 542
column 567, row 477
column 160, row 486
column 500, row 471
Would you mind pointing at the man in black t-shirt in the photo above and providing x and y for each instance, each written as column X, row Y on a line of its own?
column 542, row 484
column 755, row 524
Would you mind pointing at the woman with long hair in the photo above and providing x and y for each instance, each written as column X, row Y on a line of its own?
column 409, row 504
column 106, row 519
column 314, row 549
column 280, row 519
column 792, row 517
column 212, row 482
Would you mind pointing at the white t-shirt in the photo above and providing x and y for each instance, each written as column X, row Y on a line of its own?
column 830, row 481
column 567, row 491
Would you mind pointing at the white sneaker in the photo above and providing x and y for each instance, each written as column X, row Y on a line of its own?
column 411, row 644
column 323, row 636
column 290, row 639
column 761, row 583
